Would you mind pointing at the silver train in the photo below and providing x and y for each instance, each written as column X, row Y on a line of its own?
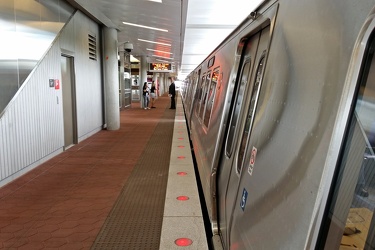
column 282, row 121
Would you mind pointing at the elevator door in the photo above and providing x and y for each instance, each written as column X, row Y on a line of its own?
column 68, row 100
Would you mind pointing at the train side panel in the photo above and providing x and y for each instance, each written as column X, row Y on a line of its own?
column 291, row 139
column 205, row 138
column 271, row 190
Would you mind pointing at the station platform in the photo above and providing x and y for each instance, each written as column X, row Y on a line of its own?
column 134, row 188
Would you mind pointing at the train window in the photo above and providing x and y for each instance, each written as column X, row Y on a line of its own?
column 199, row 95
column 188, row 87
column 233, row 124
column 192, row 88
column 204, row 94
column 351, row 214
column 250, row 116
column 211, row 97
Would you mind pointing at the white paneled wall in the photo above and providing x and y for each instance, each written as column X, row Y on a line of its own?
column 89, row 88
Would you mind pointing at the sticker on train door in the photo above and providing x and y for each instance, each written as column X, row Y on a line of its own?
column 252, row 160
column 243, row 199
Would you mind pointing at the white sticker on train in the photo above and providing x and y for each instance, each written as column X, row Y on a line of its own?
column 252, row 160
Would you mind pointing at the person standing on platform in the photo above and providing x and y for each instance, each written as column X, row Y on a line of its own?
column 172, row 94
column 145, row 96
column 153, row 94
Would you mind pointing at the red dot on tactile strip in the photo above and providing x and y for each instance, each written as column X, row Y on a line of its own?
column 182, row 198
column 181, row 146
column 180, row 138
column 182, row 173
column 181, row 157
column 183, row 242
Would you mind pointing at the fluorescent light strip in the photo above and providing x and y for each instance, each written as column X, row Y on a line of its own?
column 147, row 41
column 158, row 1
column 163, row 57
column 162, row 61
column 143, row 26
column 160, row 51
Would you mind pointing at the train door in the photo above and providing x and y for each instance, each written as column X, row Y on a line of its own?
column 198, row 95
column 239, row 129
column 204, row 95
column 192, row 93
column 350, row 220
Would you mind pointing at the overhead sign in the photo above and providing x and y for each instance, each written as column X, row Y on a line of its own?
column 160, row 67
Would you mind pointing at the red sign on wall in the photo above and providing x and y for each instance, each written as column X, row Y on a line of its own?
column 57, row 84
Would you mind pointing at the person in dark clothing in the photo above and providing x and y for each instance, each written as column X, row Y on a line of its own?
column 172, row 94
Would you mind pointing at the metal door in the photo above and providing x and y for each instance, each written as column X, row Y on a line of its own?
column 350, row 221
column 241, row 117
column 68, row 100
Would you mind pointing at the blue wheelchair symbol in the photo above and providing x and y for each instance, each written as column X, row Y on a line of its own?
column 243, row 199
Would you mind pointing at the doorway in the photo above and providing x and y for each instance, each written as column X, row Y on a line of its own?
column 68, row 100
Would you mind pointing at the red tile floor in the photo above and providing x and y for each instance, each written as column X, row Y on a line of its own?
column 63, row 203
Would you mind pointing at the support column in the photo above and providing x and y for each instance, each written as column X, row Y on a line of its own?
column 111, row 79
column 161, row 80
column 156, row 78
column 143, row 76
column 122, row 81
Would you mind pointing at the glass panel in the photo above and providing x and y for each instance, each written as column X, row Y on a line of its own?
column 211, row 98
column 351, row 214
column 8, row 56
column 199, row 95
column 191, row 87
column 237, row 108
column 205, row 90
column 27, row 29
column 250, row 116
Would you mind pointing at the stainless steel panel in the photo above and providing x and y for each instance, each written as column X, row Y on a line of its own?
column 28, row 28
column 8, row 58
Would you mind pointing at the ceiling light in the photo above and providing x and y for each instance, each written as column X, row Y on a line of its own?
column 160, row 51
column 147, row 41
column 143, row 26
column 162, row 61
column 158, row 1
column 133, row 59
column 163, row 57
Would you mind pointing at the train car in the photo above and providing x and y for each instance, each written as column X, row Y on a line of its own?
column 282, row 122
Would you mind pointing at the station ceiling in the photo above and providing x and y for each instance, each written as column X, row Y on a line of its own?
column 186, row 30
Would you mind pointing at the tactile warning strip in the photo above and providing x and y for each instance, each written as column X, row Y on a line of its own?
column 135, row 221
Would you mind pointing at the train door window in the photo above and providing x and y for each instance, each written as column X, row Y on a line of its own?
column 196, row 81
column 351, row 220
column 188, row 87
column 199, row 93
column 250, row 116
column 211, row 97
column 233, row 124
column 204, row 94
column 191, row 88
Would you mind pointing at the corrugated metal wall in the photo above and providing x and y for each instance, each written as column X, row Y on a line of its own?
column 31, row 129
column 89, row 90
